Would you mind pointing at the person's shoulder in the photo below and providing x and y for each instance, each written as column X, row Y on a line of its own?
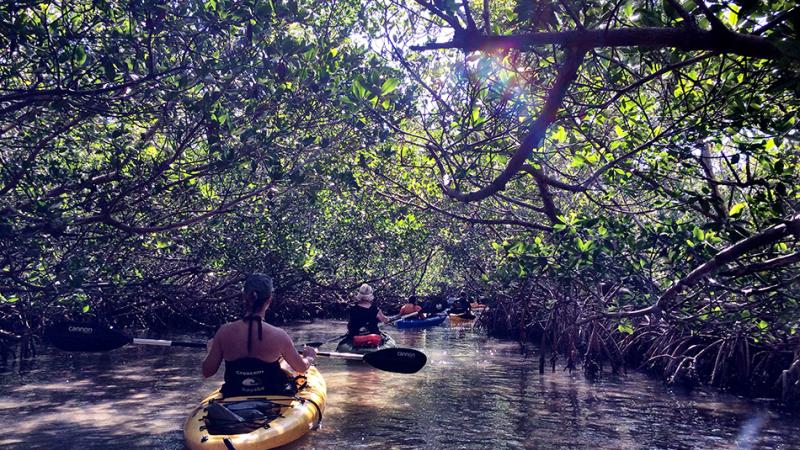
column 225, row 328
column 278, row 333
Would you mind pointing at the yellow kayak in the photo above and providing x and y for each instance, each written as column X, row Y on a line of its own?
column 457, row 319
column 294, row 417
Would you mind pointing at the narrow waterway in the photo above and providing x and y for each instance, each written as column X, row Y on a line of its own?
column 475, row 393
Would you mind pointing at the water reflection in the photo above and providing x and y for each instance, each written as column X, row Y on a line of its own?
column 475, row 393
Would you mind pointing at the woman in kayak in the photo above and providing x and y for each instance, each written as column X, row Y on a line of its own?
column 252, row 348
column 364, row 315
column 411, row 307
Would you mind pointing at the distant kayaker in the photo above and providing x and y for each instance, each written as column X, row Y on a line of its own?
column 252, row 348
column 461, row 306
column 434, row 305
column 411, row 307
column 365, row 315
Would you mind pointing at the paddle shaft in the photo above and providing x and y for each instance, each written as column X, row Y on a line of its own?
column 340, row 355
column 164, row 343
column 396, row 318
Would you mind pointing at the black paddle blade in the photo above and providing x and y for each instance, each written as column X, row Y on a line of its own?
column 80, row 337
column 401, row 360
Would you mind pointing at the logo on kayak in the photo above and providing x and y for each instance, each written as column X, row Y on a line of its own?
column 403, row 354
column 84, row 330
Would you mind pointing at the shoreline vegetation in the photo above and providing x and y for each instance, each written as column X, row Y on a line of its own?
column 683, row 361
column 617, row 178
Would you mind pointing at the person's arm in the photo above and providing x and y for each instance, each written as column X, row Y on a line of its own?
column 214, row 357
column 298, row 363
column 381, row 317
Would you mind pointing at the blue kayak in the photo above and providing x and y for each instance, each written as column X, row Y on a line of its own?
column 420, row 323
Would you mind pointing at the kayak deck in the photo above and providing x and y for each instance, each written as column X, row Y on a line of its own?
column 420, row 323
column 298, row 415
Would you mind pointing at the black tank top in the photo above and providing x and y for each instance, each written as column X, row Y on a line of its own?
column 361, row 317
column 253, row 376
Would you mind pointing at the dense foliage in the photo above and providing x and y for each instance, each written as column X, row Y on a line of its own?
column 618, row 178
column 646, row 155
column 153, row 152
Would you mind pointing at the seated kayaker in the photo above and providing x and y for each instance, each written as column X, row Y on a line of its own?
column 434, row 305
column 365, row 315
column 252, row 348
column 411, row 307
column 461, row 305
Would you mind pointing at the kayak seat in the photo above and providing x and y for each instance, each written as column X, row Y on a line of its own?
column 240, row 417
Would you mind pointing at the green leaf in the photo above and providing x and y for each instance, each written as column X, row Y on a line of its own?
column 578, row 161
column 560, row 135
column 733, row 15
column 625, row 327
column 518, row 248
column 80, row 55
column 736, row 209
column 358, row 89
column 762, row 325
column 85, row 308
column 389, row 85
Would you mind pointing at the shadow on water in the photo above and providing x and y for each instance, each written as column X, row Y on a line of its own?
column 475, row 392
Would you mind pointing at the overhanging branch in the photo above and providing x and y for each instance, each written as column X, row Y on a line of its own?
column 532, row 140
column 721, row 41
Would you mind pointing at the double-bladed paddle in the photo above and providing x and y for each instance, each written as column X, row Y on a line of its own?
column 79, row 337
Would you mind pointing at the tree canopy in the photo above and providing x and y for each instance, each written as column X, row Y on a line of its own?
column 618, row 177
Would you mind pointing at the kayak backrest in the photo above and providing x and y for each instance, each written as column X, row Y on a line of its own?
column 367, row 341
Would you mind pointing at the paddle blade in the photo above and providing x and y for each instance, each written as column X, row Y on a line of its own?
column 80, row 337
column 401, row 360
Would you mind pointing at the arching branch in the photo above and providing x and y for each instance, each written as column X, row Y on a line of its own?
column 532, row 140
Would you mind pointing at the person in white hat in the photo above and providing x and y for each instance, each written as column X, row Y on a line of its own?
column 365, row 314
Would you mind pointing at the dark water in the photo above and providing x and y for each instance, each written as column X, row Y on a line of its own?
column 475, row 393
